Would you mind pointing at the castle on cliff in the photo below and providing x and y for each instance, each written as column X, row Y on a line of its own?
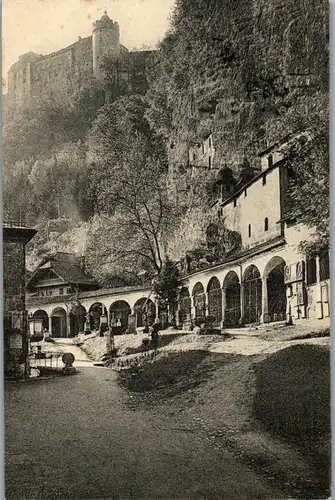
column 65, row 72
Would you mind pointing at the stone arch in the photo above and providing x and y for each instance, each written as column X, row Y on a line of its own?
column 274, row 274
column 43, row 316
column 252, row 284
column 199, row 301
column 232, row 290
column 185, row 307
column 119, row 313
column 145, row 312
column 214, row 294
column 96, row 312
column 59, row 323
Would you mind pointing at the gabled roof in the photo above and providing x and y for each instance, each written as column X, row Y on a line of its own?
column 66, row 266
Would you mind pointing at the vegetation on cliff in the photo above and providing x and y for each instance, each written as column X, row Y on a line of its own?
column 100, row 164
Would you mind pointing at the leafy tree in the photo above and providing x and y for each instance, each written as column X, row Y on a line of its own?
column 128, row 168
column 166, row 285
column 40, row 126
column 135, row 211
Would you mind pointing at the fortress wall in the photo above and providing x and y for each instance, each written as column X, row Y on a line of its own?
column 83, row 61
column 55, row 76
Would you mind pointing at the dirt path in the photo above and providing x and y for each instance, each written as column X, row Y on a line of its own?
column 76, row 437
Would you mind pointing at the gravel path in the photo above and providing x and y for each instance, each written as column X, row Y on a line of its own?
column 77, row 437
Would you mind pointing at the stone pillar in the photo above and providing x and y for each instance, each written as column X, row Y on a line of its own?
column 241, row 321
column 156, row 310
column 223, row 307
column 206, row 304
column 318, row 305
column 192, row 311
column 68, row 325
column 265, row 317
column 289, row 299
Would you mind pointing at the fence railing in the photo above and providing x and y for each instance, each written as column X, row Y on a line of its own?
column 12, row 223
column 46, row 359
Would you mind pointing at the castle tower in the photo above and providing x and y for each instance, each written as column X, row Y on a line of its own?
column 106, row 42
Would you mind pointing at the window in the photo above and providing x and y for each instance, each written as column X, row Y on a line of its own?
column 193, row 156
column 266, row 224
column 324, row 266
column 270, row 161
column 264, row 179
column 311, row 271
column 203, row 149
column 48, row 293
column 219, row 213
column 68, row 290
column 249, row 230
column 61, row 291
column 209, row 162
column 235, row 202
column 245, row 193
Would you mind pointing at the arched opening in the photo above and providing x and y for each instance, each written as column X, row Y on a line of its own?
column 232, row 289
column 275, row 282
column 58, row 323
column 77, row 320
column 252, row 295
column 214, row 293
column 145, row 312
column 119, row 313
column 43, row 316
column 185, row 305
column 96, row 311
column 199, row 302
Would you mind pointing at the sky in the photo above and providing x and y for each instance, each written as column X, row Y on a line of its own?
column 45, row 26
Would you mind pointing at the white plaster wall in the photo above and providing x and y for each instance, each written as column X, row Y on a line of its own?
column 260, row 201
column 107, row 300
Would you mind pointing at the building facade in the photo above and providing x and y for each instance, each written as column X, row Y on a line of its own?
column 15, row 328
column 265, row 280
column 60, row 278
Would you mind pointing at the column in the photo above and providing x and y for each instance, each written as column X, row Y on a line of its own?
column 223, row 307
column 241, row 320
column 265, row 317
column 192, row 311
column 318, row 305
column 156, row 310
column 68, row 325
column 206, row 304
column 289, row 296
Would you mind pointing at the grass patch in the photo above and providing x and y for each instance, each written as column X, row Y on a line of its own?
column 295, row 332
column 180, row 369
column 292, row 401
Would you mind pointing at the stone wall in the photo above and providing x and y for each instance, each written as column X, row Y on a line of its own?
column 15, row 329
column 57, row 76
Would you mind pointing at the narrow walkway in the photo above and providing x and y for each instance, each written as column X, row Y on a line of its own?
column 66, row 345
column 77, row 438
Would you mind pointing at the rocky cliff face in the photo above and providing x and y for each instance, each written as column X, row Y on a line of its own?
column 254, row 69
